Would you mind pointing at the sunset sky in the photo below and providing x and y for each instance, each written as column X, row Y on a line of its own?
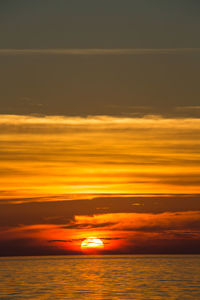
column 99, row 126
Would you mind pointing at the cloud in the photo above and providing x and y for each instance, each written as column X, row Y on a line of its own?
column 106, row 240
column 73, row 225
column 186, row 108
column 48, row 212
column 163, row 224
column 54, row 155
column 59, row 241
column 114, row 51
column 100, row 122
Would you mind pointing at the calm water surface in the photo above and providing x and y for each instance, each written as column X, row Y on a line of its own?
column 100, row 277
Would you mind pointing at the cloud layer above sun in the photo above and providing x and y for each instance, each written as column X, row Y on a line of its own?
column 63, row 155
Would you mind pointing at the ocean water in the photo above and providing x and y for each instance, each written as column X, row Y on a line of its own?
column 100, row 277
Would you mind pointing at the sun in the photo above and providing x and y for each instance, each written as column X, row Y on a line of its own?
column 92, row 243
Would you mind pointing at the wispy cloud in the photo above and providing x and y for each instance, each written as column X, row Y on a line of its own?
column 131, row 51
column 186, row 108
column 55, row 155
column 143, row 222
column 102, row 121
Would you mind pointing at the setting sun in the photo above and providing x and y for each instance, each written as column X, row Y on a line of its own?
column 92, row 243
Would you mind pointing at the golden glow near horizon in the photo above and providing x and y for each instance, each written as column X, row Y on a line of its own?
column 43, row 156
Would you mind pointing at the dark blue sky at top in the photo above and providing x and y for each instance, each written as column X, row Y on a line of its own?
column 99, row 24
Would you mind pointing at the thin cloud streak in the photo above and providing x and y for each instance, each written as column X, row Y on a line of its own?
column 186, row 108
column 131, row 51
column 152, row 121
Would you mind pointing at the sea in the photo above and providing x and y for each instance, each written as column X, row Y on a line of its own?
column 101, row 277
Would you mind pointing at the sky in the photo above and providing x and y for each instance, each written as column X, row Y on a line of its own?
column 99, row 126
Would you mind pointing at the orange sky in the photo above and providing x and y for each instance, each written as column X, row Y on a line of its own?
column 63, row 155
column 133, row 182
